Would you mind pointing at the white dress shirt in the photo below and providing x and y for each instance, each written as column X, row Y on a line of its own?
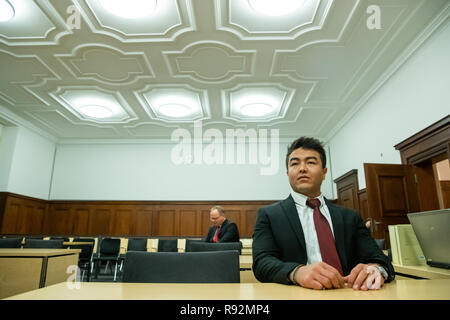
column 305, row 214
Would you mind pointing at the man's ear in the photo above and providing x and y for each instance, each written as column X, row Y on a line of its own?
column 325, row 170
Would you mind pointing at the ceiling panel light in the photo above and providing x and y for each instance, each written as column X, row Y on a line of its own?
column 132, row 9
column 175, row 110
column 96, row 111
column 6, row 10
column 276, row 7
column 256, row 109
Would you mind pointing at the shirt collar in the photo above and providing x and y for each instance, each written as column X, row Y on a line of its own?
column 300, row 199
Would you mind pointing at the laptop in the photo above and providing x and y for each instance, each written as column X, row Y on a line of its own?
column 432, row 229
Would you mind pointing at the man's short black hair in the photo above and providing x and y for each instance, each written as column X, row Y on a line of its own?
column 309, row 144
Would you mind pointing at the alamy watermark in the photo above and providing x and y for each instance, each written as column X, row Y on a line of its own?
column 374, row 19
column 73, row 281
column 74, row 19
column 236, row 146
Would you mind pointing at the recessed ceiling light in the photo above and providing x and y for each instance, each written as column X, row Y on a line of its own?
column 275, row 7
column 132, row 9
column 175, row 110
column 6, row 10
column 256, row 109
column 96, row 111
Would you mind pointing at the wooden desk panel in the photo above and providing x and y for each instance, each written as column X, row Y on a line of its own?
column 396, row 290
column 247, row 276
column 57, row 268
column 29, row 279
column 23, row 270
column 245, row 261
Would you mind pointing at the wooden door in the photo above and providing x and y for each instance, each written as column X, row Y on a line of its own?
column 391, row 195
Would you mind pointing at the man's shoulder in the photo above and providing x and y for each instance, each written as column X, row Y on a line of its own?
column 227, row 223
column 276, row 206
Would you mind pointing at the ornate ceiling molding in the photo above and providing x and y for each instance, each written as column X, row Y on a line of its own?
column 210, row 61
column 152, row 96
column 94, row 61
column 36, row 23
column 274, row 94
column 72, row 97
column 19, row 74
column 174, row 18
column 237, row 17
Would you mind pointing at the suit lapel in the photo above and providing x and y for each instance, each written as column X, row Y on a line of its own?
column 291, row 213
column 222, row 227
column 338, row 230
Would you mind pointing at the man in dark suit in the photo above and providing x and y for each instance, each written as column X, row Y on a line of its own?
column 222, row 229
column 307, row 240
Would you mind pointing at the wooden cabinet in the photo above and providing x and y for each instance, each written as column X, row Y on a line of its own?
column 347, row 189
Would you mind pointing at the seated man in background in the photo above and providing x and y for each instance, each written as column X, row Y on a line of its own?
column 307, row 240
column 222, row 229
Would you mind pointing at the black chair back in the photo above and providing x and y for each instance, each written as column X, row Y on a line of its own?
column 109, row 247
column 137, row 244
column 60, row 238
column 210, row 246
column 187, row 247
column 182, row 267
column 167, row 245
column 43, row 244
column 380, row 243
column 11, row 243
column 86, row 251
column 78, row 239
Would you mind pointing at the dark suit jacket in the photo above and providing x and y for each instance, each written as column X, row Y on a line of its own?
column 228, row 233
column 279, row 242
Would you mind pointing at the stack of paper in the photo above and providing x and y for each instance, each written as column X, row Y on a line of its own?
column 405, row 248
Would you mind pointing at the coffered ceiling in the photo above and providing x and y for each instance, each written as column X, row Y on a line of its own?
column 304, row 73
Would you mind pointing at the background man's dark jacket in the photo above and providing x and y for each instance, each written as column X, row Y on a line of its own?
column 228, row 232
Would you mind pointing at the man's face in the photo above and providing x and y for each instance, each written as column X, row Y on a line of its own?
column 216, row 218
column 305, row 172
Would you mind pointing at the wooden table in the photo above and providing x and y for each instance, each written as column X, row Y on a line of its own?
column 69, row 243
column 396, row 290
column 23, row 270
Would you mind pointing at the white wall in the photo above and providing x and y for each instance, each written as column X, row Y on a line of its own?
column 7, row 145
column 147, row 172
column 416, row 96
column 26, row 163
column 129, row 172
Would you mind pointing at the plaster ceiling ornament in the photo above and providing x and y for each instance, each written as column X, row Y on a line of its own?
column 141, row 74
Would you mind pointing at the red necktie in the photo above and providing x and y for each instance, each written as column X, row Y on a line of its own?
column 217, row 234
column 325, row 237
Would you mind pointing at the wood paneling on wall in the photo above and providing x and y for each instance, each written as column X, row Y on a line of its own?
column 24, row 215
